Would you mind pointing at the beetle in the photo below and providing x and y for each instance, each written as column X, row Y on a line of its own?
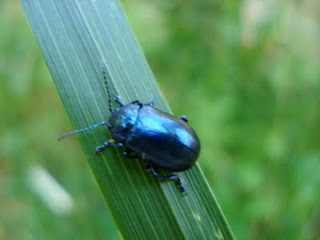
column 162, row 140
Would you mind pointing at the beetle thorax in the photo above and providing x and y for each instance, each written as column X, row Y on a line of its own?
column 122, row 120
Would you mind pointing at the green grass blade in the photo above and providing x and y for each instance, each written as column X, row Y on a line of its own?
column 76, row 39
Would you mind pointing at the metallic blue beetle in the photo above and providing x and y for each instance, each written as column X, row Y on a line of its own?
column 160, row 139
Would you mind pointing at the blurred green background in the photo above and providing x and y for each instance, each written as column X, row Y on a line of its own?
column 246, row 73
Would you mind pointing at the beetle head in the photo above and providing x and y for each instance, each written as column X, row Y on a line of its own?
column 122, row 120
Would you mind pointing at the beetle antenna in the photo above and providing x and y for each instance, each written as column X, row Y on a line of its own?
column 104, row 75
column 84, row 129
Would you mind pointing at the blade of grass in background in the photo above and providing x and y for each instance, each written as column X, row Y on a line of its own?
column 76, row 39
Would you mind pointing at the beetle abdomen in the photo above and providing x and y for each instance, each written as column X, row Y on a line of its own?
column 163, row 140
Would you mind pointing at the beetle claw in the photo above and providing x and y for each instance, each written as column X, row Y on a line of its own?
column 180, row 185
column 103, row 146
column 171, row 177
column 149, row 104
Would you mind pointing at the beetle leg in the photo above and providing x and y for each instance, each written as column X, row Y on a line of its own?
column 107, row 144
column 147, row 167
column 129, row 154
column 137, row 102
column 150, row 104
column 118, row 100
column 171, row 177
column 184, row 118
